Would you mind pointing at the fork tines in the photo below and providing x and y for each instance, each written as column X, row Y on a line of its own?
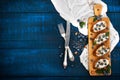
column 61, row 28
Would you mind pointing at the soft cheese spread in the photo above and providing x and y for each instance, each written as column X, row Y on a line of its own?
column 102, row 50
column 101, row 63
column 102, row 37
column 99, row 26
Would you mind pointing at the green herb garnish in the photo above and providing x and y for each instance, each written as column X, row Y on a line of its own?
column 94, row 43
column 108, row 69
column 82, row 24
column 100, row 71
column 107, row 34
column 95, row 18
column 104, row 70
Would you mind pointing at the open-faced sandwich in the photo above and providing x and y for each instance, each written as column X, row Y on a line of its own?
column 99, row 26
column 102, row 50
column 101, row 38
column 101, row 63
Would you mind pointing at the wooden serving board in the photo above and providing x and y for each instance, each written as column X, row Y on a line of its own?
column 91, row 36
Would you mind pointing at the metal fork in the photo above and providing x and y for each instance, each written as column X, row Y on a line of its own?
column 62, row 32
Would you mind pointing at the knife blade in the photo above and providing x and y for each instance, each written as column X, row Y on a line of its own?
column 67, row 40
column 67, row 36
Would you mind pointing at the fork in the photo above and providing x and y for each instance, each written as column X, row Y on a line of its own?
column 62, row 31
column 71, row 57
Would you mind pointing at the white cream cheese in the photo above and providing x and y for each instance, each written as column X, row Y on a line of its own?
column 102, row 37
column 101, row 63
column 99, row 26
column 102, row 50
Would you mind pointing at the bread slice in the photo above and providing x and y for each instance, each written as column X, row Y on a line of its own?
column 102, row 50
column 101, row 63
column 99, row 26
column 101, row 38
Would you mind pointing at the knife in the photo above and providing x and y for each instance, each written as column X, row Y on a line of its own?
column 67, row 39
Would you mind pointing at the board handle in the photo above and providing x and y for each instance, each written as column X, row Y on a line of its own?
column 97, row 9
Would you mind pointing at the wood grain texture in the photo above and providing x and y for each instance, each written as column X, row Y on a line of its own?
column 24, row 26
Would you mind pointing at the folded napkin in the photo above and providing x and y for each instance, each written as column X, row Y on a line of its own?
column 74, row 10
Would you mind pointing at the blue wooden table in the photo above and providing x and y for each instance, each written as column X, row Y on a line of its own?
column 30, row 43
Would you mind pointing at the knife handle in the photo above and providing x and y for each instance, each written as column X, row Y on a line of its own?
column 65, row 59
column 71, row 57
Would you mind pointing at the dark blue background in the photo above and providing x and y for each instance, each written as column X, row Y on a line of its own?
column 30, row 43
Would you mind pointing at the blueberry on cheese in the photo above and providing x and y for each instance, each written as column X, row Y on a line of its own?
column 99, row 26
column 102, row 50
column 102, row 37
column 102, row 63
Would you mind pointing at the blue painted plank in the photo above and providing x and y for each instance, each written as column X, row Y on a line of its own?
column 29, row 26
column 46, row 41
column 41, row 62
column 43, row 6
column 45, row 62
column 115, row 19
column 26, row 6
column 64, row 78
column 36, row 26
column 36, row 44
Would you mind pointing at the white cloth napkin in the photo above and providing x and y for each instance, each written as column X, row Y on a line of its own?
column 72, row 10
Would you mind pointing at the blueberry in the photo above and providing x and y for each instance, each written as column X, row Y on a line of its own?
column 97, row 66
column 102, row 24
column 105, row 50
column 101, row 39
column 97, row 24
column 78, row 20
column 98, row 62
column 104, row 61
column 95, row 28
column 99, row 51
column 103, row 36
column 98, row 28
column 101, row 63
column 98, row 40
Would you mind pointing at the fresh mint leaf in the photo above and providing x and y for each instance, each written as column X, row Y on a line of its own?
column 99, row 71
column 107, row 33
column 104, row 70
column 95, row 18
column 108, row 69
column 94, row 43
column 82, row 24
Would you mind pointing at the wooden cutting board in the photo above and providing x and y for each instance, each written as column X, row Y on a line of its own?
column 91, row 36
